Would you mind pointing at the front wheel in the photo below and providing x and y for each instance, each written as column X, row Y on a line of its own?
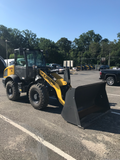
column 12, row 90
column 38, row 96
column 110, row 81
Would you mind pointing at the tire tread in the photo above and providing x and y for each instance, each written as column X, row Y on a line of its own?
column 16, row 93
column 43, row 93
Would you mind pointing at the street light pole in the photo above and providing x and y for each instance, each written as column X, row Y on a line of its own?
column 109, row 59
column 81, row 59
column 109, row 56
column 6, row 51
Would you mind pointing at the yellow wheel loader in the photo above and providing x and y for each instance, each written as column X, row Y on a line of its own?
column 29, row 74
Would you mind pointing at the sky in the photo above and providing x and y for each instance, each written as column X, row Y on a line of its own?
column 54, row 19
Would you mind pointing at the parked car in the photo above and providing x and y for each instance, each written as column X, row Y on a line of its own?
column 57, row 66
column 111, row 76
column 104, row 67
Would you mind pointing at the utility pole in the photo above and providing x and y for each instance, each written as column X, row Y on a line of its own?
column 109, row 55
column 6, row 51
column 81, row 59
column 109, row 59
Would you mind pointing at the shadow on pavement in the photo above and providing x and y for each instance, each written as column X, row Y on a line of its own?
column 113, row 104
column 23, row 99
column 1, row 76
column 110, row 122
column 53, row 106
column 117, row 85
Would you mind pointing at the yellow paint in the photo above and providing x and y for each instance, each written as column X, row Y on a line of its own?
column 54, row 85
column 10, row 71
column 59, row 80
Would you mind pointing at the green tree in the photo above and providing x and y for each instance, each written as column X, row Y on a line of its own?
column 118, row 35
column 64, row 46
column 49, row 47
column 30, row 39
column 4, row 35
column 94, row 50
column 88, row 44
column 16, row 39
column 105, row 49
column 2, row 49
column 88, row 48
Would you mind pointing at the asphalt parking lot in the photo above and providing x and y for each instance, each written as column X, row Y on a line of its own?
column 29, row 134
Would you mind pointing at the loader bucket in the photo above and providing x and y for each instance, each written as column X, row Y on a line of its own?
column 85, row 103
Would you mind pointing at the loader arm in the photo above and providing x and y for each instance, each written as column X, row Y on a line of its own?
column 56, row 85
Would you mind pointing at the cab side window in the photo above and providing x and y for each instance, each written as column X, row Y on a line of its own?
column 20, row 61
column 30, row 60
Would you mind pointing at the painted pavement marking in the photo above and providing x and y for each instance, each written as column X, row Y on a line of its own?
column 39, row 139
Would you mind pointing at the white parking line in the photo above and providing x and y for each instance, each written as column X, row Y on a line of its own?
column 113, row 94
column 115, row 113
column 39, row 139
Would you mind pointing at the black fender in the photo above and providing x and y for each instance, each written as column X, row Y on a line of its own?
column 13, row 78
column 113, row 75
column 34, row 82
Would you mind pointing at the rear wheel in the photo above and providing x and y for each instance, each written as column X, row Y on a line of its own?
column 12, row 90
column 110, row 81
column 38, row 96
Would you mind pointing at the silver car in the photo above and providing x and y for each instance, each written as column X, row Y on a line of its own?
column 57, row 66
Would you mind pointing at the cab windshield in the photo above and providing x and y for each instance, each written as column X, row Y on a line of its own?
column 35, row 57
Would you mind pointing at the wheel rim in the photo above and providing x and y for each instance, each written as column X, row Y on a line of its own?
column 9, row 91
column 35, row 97
column 110, row 81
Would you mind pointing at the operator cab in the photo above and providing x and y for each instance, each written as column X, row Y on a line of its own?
column 27, row 61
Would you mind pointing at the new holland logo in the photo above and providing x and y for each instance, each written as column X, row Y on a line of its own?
column 11, row 68
column 47, row 78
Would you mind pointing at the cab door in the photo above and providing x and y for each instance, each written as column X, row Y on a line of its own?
column 20, row 67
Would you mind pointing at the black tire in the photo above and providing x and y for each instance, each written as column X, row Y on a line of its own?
column 110, row 81
column 12, row 90
column 38, row 96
